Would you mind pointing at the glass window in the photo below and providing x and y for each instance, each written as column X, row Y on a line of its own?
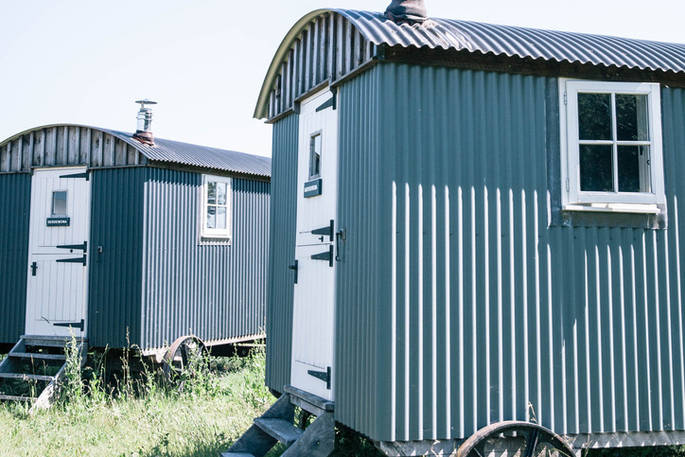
column 613, row 148
column 315, row 156
column 216, row 207
column 59, row 203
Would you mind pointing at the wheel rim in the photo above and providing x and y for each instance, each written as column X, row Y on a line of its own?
column 531, row 440
column 182, row 353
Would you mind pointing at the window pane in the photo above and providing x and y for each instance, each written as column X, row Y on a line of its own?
column 211, row 217
column 59, row 203
column 594, row 116
column 315, row 156
column 221, row 193
column 633, row 169
column 220, row 217
column 596, row 173
column 631, row 117
column 211, row 192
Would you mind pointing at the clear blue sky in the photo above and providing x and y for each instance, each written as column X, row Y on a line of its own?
column 204, row 61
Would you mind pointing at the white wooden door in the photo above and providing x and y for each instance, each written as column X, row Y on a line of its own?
column 57, row 285
column 314, row 292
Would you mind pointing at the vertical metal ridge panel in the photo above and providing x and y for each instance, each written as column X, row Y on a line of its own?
column 115, row 274
column 484, row 307
column 15, row 200
column 216, row 291
column 360, row 308
column 279, row 312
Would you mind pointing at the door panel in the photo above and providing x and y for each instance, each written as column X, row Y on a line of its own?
column 56, row 299
column 314, row 292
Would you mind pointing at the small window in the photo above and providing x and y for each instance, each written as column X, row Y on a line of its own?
column 59, row 203
column 611, row 146
column 315, row 156
column 216, row 207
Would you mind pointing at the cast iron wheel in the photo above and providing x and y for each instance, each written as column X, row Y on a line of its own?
column 531, row 439
column 182, row 353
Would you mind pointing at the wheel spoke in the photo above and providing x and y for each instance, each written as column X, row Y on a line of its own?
column 531, row 443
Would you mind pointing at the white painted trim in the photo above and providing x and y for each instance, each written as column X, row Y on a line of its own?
column 573, row 199
column 208, row 235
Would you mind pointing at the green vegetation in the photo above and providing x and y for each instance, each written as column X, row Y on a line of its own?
column 123, row 415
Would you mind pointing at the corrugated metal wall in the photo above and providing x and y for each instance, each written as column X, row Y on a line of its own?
column 15, row 199
column 66, row 145
column 215, row 291
column 484, row 310
column 279, row 313
column 358, row 357
column 115, row 275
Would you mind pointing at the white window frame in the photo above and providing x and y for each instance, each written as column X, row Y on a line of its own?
column 216, row 234
column 573, row 199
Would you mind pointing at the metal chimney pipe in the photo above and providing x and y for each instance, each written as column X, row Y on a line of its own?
column 410, row 11
column 144, row 124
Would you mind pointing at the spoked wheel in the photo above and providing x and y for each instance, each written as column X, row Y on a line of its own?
column 515, row 438
column 180, row 355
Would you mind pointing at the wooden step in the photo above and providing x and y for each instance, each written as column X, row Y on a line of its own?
column 235, row 454
column 280, row 429
column 26, row 376
column 16, row 398
column 37, row 356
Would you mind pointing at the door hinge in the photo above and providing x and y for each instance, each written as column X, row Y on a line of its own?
column 328, row 255
column 565, row 98
column 76, row 176
column 79, row 325
column 568, row 185
column 294, row 268
column 83, row 246
column 73, row 260
column 34, row 268
column 325, row 376
column 325, row 231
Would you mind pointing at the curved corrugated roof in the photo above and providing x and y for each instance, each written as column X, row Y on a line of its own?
column 521, row 42
column 499, row 40
column 169, row 151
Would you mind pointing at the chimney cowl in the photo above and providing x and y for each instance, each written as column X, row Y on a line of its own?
column 144, row 123
column 407, row 11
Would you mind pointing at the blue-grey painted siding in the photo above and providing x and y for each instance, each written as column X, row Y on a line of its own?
column 15, row 199
column 279, row 315
column 115, row 275
column 470, row 305
column 215, row 291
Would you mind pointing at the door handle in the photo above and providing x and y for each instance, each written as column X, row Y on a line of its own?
column 339, row 235
column 294, row 268
column 34, row 268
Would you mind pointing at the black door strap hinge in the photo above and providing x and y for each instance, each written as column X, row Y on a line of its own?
column 326, row 231
column 325, row 376
column 83, row 246
column 85, row 176
column 328, row 255
column 79, row 325
column 73, row 260
column 294, row 268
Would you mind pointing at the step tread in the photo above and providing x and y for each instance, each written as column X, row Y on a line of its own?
column 16, row 398
column 35, row 377
column 35, row 355
column 236, row 454
column 281, row 429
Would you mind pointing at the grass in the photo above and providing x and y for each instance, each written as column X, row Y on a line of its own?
column 141, row 417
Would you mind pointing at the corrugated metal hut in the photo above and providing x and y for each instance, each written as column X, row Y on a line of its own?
column 475, row 224
column 128, row 239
